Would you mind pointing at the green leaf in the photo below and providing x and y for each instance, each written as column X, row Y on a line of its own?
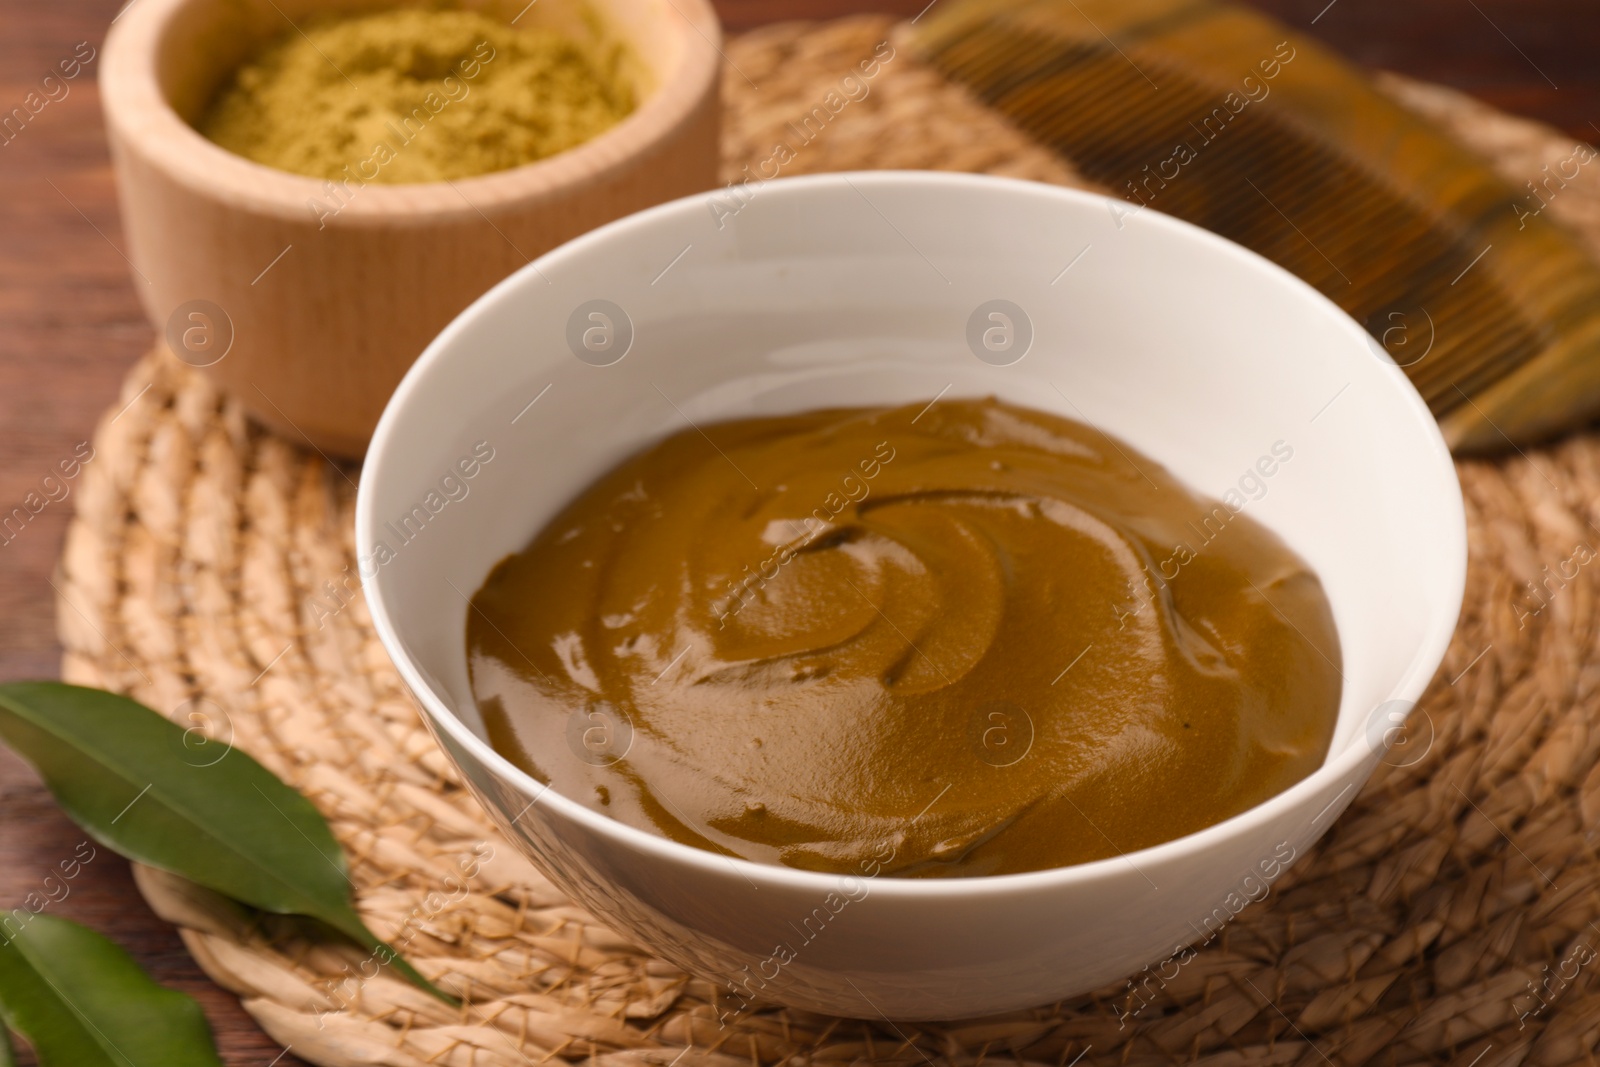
column 123, row 773
column 8, row 1055
column 82, row 1002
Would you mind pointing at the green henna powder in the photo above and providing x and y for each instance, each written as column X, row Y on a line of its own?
column 417, row 95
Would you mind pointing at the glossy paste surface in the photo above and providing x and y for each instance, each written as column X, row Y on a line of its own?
column 966, row 639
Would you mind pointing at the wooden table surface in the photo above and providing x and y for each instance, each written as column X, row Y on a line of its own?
column 70, row 326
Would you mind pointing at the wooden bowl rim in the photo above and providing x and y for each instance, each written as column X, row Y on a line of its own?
column 140, row 117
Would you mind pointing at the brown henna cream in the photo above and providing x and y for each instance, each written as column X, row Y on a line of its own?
column 972, row 639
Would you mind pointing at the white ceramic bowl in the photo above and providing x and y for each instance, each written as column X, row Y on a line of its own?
column 859, row 289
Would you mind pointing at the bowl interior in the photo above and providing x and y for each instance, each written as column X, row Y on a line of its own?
column 206, row 40
column 860, row 289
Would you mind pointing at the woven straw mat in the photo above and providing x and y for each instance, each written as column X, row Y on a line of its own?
column 1439, row 921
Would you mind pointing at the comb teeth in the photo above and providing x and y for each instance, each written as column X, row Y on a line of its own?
column 1378, row 212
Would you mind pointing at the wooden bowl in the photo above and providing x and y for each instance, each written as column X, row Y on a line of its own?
column 310, row 316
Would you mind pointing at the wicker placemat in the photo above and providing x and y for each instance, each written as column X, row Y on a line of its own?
column 1449, row 916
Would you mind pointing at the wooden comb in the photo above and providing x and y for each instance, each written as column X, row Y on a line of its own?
column 1308, row 164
